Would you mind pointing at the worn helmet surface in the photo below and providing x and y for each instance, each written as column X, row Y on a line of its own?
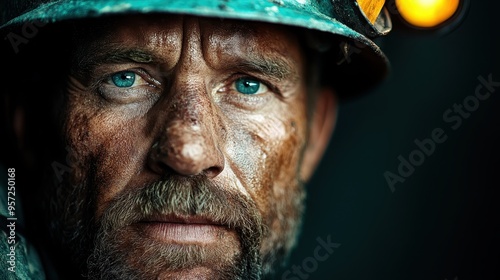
column 355, row 62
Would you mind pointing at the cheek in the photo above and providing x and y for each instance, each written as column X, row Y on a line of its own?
column 267, row 158
column 107, row 150
column 282, row 168
column 278, row 194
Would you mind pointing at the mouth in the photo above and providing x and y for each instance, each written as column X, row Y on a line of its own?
column 182, row 229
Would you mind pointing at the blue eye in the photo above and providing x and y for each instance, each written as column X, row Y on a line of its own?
column 123, row 79
column 249, row 86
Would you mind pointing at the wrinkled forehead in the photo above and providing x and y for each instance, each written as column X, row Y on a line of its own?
column 163, row 34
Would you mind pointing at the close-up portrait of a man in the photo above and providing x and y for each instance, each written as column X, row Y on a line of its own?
column 173, row 139
column 177, row 141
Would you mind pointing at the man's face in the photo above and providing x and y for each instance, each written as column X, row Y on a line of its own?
column 187, row 136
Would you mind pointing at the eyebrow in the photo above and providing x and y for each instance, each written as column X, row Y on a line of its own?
column 269, row 66
column 92, row 57
column 272, row 66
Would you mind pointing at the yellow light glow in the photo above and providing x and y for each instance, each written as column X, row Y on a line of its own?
column 427, row 13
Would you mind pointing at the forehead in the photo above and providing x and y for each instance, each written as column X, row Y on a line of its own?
column 165, row 34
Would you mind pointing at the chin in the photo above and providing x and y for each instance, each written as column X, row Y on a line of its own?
column 198, row 273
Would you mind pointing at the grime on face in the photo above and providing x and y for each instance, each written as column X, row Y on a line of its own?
column 188, row 136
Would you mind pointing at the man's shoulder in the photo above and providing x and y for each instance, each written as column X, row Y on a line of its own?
column 18, row 258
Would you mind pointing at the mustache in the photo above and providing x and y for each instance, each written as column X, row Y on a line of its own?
column 193, row 196
column 196, row 196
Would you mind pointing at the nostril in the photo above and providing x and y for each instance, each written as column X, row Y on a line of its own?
column 212, row 172
column 155, row 161
column 162, row 168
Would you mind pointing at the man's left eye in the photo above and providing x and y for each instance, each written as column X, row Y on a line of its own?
column 126, row 79
column 249, row 86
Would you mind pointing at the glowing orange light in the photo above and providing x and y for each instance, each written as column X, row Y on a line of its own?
column 427, row 13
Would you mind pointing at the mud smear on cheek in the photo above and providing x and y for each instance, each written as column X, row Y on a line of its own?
column 277, row 190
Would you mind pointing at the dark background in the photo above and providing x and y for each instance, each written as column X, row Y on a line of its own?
column 442, row 222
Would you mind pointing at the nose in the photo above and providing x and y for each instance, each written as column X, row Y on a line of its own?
column 189, row 139
column 190, row 130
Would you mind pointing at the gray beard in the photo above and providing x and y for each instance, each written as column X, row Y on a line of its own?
column 104, row 252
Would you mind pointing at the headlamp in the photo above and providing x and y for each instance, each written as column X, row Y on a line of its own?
column 432, row 14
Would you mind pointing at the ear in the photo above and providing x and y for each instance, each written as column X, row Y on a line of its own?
column 322, row 123
column 17, row 119
column 18, row 124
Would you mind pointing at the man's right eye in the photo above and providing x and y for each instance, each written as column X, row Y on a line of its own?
column 128, row 86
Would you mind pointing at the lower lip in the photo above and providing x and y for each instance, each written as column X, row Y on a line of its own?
column 182, row 233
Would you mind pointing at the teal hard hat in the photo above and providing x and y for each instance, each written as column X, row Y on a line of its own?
column 355, row 62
